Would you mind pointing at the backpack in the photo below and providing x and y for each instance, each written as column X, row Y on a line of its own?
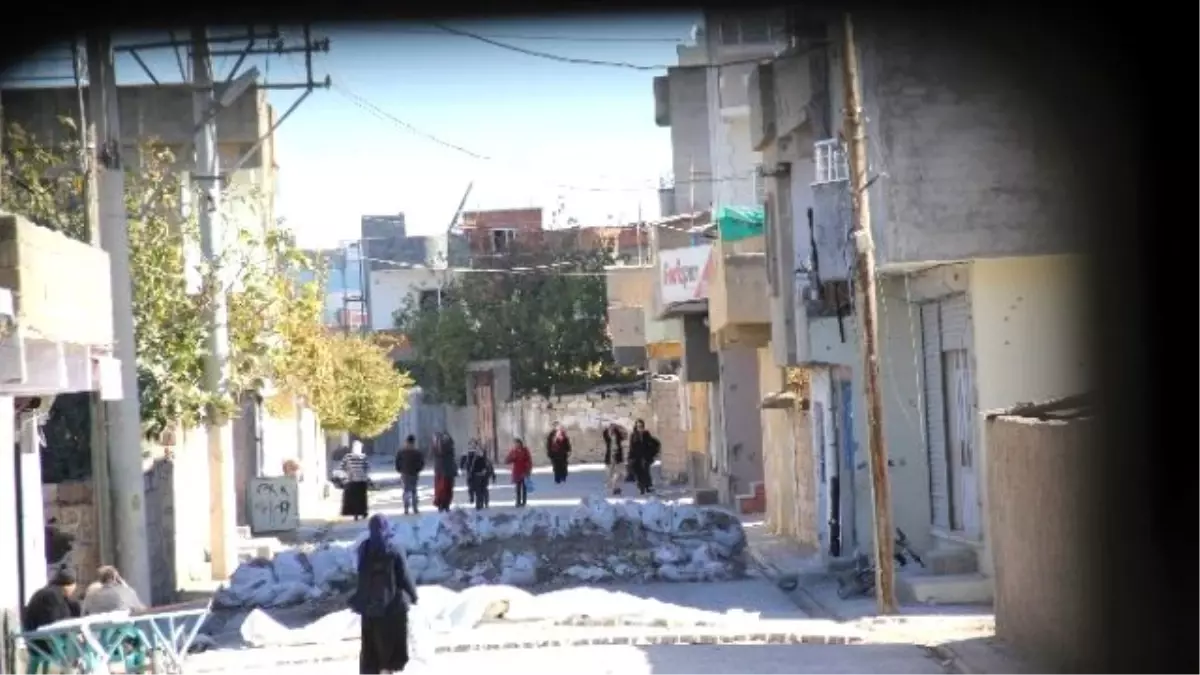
column 377, row 583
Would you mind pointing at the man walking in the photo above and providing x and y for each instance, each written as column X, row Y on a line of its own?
column 409, row 464
column 558, row 450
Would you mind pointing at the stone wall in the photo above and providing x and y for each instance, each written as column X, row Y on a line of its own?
column 160, row 529
column 71, row 505
column 583, row 416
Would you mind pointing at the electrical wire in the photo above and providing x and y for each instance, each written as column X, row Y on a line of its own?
column 548, row 38
column 603, row 63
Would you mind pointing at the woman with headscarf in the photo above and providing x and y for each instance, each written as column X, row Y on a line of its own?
column 558, row 450
column 643, row 452
column 354, row 491
column 384, row 594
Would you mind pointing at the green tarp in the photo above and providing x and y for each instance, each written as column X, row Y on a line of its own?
column 740, row 222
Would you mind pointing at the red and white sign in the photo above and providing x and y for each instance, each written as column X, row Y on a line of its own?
column 684, row 274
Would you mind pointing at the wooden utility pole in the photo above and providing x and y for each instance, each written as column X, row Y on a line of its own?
column 864, row 280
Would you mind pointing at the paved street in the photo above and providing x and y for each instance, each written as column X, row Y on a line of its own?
column 630, row 660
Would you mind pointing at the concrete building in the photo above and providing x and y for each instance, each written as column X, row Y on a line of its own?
column 393, row 290
column 56, row 338
column 980, row 291
column 163, row 113
column 704, row 102
column 493, row 231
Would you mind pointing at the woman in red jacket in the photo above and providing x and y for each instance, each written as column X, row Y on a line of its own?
column 521, row 461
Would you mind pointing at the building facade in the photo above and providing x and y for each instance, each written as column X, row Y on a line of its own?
column 980, row 292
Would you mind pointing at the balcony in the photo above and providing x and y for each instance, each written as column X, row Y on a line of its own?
column 738, row 311
column 779, row 96
column 61, row 324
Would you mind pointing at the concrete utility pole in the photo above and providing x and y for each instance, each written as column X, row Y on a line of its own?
column 124, row 416
column 864, row 277
column 223, row 515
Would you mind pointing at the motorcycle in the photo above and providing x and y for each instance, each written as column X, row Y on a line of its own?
column 861, row 579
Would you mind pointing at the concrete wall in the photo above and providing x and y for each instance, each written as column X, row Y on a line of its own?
column 1038, row 547
column 1030, row 317
column 667, row 422
column 11, row 601
column 73, row 505
column 691, row 161
column 742, row 462
column 391, row 289
column 972, row 171
column 699, row 433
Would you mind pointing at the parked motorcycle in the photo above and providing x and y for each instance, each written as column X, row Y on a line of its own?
column 861, row 579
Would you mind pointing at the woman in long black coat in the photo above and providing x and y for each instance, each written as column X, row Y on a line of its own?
column 643, row 452
column 385, row 592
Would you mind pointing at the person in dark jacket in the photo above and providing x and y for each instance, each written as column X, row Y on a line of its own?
column 481, row 473
column 558, row 449
column 643, row 452
column 53, row 603
column 382, row 599
column 614, row 455
column 445, row 470
column 410, row 462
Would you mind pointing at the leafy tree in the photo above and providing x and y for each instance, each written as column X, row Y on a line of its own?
column 275, row 322
column 545, row 310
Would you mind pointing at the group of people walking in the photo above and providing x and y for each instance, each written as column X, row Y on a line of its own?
column 479, row 471
column 635, row 467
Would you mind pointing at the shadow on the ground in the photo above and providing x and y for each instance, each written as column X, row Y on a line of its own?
column 790, row 659
column 987, row 655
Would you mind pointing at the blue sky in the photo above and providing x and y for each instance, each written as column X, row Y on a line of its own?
column 583, row 135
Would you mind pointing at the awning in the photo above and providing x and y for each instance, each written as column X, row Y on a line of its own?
column 740, row 222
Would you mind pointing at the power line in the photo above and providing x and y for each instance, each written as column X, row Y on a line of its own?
column 550, row 38
column 609, row 64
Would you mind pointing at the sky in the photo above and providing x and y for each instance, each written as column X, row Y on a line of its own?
column 552, row 133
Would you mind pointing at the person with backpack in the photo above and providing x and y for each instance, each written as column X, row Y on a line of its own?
column 521, row 461
column 481, row 473
column 409, row 464
column 382, row 598
column 643, row 452
column 614, row 456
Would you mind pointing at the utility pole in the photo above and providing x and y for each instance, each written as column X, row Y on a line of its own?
column 223, row 515
column 96, row 407
column 864, row 272
column 124, row 447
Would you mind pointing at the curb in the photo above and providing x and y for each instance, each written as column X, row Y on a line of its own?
column 804, row 600
column 635, row 636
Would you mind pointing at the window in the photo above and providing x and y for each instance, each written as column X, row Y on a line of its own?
column 502, row 238
column 830, row 158
column 429, row 300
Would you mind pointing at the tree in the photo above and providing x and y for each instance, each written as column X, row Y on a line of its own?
column 544, row 310
column 368, row 392
column 277, row 337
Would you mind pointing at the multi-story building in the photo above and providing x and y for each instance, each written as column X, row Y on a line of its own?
column 980, row 294
column 493, row 231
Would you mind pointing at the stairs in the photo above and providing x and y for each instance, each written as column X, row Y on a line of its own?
column 951, row 577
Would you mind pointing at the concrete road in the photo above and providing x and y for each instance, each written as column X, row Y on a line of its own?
column 584, row 480
column 628, row 660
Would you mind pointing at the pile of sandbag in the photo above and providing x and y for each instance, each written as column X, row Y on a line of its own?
column 597, row 541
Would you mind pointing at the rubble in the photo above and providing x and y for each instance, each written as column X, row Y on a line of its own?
column 597, row 541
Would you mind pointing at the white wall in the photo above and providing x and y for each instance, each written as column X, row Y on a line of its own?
column 391, row 289
column 10, row 599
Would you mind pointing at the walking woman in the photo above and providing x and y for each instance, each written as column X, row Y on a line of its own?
column 558, row 449
column 643, row 451
column 445, row 470
column 614, row 456
column 380, row 600
column 354, row 491
column 521, row 461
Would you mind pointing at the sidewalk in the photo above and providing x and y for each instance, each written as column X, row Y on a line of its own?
column 961, row 636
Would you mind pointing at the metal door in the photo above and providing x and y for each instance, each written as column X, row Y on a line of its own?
column 960, row 434
column 847, row 453
column 940, row 484
column 483, row 398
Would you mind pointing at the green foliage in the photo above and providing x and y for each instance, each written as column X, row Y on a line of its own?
column 551, row 324
column 368, row 393
column 275, row 323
